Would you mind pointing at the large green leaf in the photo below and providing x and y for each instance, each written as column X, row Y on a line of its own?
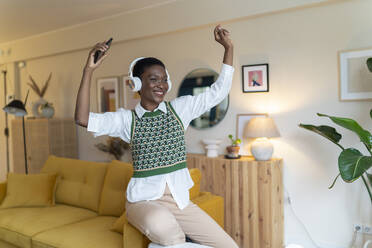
column 352, row 164
column 369, row 64
column 325, row 131
column 364, row 135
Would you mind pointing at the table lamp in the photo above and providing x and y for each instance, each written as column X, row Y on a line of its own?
column 261, row 128
column 17, row 108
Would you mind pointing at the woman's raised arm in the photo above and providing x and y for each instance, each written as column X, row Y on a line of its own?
column 82, row 100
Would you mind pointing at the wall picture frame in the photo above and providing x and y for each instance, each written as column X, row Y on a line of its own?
column 129, row 98
column 255, row 78
column 355, row 78
column 241, row 122
column 107, row 94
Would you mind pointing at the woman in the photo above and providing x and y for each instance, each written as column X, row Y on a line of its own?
column 158, row 193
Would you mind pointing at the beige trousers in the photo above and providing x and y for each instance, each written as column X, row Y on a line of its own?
column 164, row 223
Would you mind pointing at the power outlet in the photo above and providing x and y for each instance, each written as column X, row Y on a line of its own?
column 360, row 228
column 367, row 229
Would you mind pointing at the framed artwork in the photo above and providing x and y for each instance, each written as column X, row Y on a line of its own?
column 355, row 78
column 241, row 122
column 108, row 94
column 129, row 98
column 255, row 78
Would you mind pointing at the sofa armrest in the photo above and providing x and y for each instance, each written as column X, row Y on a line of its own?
column 213, row 205
column 2, row 190
column 195, row 174
column 133, row 238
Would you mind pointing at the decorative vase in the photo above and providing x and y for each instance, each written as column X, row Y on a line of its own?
column 233, row 151
column 48, row 111
column 36, row 105
column 262, row 149
column 212, row 147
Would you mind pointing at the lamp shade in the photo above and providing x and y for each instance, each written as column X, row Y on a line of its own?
column 16, row 107
column 259, row 127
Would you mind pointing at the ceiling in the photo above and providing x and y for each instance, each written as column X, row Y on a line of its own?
column 23, row 18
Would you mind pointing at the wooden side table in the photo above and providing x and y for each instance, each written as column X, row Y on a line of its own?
column 253, row 193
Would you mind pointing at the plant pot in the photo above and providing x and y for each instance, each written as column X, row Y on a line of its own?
column 233, row 151
column 47, row 112
column 36, row 106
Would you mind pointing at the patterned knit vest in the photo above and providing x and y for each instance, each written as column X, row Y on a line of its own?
column 157, row 143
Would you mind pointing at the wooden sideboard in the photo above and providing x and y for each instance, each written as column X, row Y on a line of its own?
column 43, row 137
column 253, row 193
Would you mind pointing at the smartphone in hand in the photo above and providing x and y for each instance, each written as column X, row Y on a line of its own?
column 98, row 54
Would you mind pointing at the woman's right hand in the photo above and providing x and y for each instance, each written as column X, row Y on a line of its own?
column 222, row 36
column 90, row 65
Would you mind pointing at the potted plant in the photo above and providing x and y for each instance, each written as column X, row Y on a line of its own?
column 233, row 149
column 36, row 105
column 352, row 164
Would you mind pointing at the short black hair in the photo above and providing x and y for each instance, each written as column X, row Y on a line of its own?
column 142, row 64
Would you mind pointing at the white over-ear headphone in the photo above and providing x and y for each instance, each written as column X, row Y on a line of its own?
column 135, row 83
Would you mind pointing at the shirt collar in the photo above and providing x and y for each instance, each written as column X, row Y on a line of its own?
column 140, row 111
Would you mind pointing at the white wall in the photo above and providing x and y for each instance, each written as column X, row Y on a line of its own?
column 301, row 47
column 146, row 22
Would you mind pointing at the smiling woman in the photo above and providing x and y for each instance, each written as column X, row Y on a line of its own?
column 151, row 80
column 155, row 129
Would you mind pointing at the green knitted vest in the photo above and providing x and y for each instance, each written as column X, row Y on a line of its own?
column 157, row 143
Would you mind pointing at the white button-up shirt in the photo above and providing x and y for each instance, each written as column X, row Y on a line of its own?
column 118, row 124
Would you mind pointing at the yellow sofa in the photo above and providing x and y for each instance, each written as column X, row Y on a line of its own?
column 89, row 202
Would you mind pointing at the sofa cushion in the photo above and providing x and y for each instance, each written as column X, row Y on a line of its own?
column 92, row 233
column 114, row 188
column 18, row 225
column 29, row 190
column 118, row 225
column 4, row 244
column 80, row 181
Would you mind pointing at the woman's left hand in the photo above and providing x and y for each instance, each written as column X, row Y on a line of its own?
column 221, row 35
